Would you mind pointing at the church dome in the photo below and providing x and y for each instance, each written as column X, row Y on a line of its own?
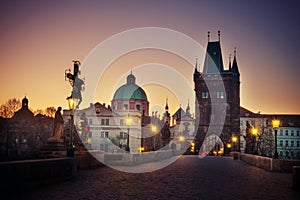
column 130, row 91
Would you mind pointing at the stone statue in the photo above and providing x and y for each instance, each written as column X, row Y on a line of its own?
column 58, row 124
column 76, row 83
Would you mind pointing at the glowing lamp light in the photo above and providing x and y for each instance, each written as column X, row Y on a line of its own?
column 275, row 123
column 181, row 138
column 128, row 121
column 73, row 102
column 215, row 153
column 141, row 149
column 153, row 128
column 234, row 139
column 228, row 145
column 254, row 131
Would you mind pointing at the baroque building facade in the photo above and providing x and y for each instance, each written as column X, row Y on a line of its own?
column 123, row 126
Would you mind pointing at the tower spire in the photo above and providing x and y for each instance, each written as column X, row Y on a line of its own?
column 187, row 110
column 230, row 62
column 167, row 107
column 219, row 35
column 196, row 65
column 234, row 67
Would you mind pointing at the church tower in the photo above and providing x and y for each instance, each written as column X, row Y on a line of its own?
column 217, row 93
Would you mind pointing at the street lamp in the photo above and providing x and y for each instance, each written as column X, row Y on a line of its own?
column 254, row 132
column 154, row 131
column 234, row 139
column 275, row 124
column 73, row 102
column 228, row 145
column 128, row 122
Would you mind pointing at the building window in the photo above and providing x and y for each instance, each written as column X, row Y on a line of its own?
column 297, row 132
column 121, row 122
column 138, row 107
column 281, row 133
column 286, row 132
column 280, row 153
column 220, row 95
column 292, row 143
column 90, row 121
column 104, row 121
column 298, row 143
column 292, row 132
column 104, row 134
column 286, row 143
column 281, row 143
column 204, row 95
column 123, row 135
column 125, row 106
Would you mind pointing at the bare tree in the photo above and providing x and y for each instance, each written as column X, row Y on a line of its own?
column 8, row 109
column 265, row 143
column 38, row 111
column 50, row 111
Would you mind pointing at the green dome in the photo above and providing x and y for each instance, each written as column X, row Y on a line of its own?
column 130, row 92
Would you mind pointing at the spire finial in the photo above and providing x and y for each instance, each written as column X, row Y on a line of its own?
column 234, row 51
column 208, row 35
column 167, row 107
column 196, row 65
column 188, row 101
column 219, row 34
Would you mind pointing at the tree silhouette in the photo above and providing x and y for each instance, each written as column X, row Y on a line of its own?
column 8, row 109
column 50, row 111
column 38, row 111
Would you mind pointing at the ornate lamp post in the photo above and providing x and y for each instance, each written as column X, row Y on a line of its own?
column 73, row 102
column 128, row 122
column 234, row 139
column 154, row 131
column 254, row 132
column 275, row 124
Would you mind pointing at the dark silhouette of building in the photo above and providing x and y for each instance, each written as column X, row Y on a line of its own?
column 23, row 135
column 217, row 93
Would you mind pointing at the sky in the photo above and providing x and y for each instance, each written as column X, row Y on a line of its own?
column 39, row 40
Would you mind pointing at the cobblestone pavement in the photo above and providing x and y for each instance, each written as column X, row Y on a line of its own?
column 188, row 178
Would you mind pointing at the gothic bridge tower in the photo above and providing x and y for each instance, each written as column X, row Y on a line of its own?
column 217, row 93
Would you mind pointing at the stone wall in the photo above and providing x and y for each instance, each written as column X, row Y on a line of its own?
column 19, row 176
column 266, row 163
column 139, row 158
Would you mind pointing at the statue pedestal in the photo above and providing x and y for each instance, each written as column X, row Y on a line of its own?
column 55, row 147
